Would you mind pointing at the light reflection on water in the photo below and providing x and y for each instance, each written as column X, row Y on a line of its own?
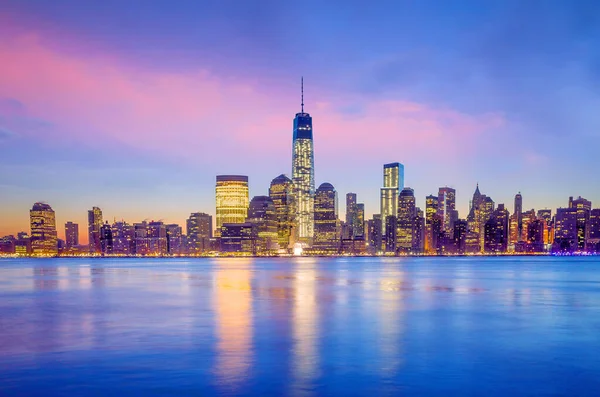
column 300, row 326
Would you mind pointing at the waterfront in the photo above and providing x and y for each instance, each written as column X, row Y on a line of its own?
column 300, row 326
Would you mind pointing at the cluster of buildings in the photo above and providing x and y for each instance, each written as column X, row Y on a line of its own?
column 294, row 217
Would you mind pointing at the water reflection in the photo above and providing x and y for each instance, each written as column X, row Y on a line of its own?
column 233, row 310
column 306, row 330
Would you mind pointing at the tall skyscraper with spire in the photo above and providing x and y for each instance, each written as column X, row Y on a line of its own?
column 303, row 173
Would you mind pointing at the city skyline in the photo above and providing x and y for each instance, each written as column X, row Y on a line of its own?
column 96, row 116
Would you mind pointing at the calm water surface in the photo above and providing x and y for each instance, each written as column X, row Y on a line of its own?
column 300, row 326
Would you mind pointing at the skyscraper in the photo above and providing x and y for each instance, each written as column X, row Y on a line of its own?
column 405, row 220
column 43, row 230
column 565, row 230
column 355, row 217
column 447, row 209
column 71, row 235
column 303, row 173
column 583, row 207
column 518, row 213
column 393, row 182
column 593, row 239
column 496, row 231
column 375, row 236
column 281, row 192
column 199, row 232
column 232, row 199
column 106, row 239
column 262, row 214
column 326, row 236
column 431, row 207
column 175, row 239
column 94, row 225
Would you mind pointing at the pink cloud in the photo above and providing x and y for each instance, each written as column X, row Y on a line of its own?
column 103, row 100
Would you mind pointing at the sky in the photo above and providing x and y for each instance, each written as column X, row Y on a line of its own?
column 136, row 106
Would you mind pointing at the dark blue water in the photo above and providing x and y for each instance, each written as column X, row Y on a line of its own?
column 356, row 326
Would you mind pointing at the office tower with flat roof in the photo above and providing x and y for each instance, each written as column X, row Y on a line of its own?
column 447, row 209
column 405, row 223
column 263, row 215
column 44, row 240
column 232, row 199
column 583, row 207
column 94, row 224
column 123, row 235
column 326, row 237
column 355, row 217
column 459, row 236
column 71, row 235
column 238, row 238
column 157, row 238
column 593, row 237
column 199, row 232
column 393, row 183
column 358, row 227
column 431, row 207
column 106, row 239
column 303, row 173
column 281, row 191
column 496, row 231
column 565, row 230
column 175, row 239
column 375, row 237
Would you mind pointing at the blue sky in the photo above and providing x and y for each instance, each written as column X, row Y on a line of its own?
column 98, row 106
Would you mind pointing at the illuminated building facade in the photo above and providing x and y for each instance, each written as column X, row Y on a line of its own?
column 303, row 173
column 106, row 239
column 123, row 235
column 232, row 199
column 238, row 238
column 405, row 223
column 431, row 207
column 157, row 238
column 199, row 232
column 71, row 235
column 94, row 224
column 43, row 230
column 176, row 244
column 355, row 218
column 459, row 237
column 393, row 182
column 496, row 231
column 391, row 228
column 375, row 237
column 281, row 192
column 518, row 212
column 447, row 209
column 593, row 238
column 583, row 207
column 565, row 230
column 263, row 215
column 326, row 233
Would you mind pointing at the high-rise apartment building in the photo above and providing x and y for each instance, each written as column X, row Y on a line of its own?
column 326, row 237
column 43, row 230
column 71, row 235
column 355, row 217
column 375, row 237
column 106, row 239
column 393, row 183
column 94, row 224
column 232, row 199
column 281, row 192
column 303, row 173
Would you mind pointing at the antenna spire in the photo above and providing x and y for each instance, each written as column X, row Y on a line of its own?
column 302, row 90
